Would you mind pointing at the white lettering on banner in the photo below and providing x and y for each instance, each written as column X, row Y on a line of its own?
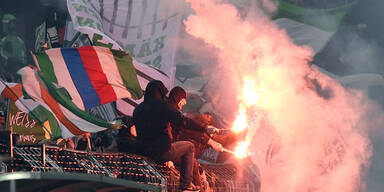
column 27, row 138
column 148, row 47
column 147, row 29
column 21, row 119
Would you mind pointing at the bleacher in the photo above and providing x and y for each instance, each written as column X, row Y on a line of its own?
column 124, row 171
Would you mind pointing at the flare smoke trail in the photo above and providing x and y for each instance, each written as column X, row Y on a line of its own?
column 313, row 136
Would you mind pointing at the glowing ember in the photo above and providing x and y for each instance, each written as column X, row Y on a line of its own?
column 241, row 150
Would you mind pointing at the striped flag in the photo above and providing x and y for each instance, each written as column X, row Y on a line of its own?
column 13, row 91
column 92, row 75
column 72, row 120
column 144, row 74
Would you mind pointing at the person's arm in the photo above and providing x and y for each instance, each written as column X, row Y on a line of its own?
column 198, row 136
column 177, row 118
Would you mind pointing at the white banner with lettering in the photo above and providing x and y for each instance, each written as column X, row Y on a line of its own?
column 147, row 29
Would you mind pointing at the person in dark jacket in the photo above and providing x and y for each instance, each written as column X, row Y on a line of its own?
column 152, row 118
column 177, row 99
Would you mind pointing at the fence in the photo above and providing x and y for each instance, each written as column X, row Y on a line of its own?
column 240, row 177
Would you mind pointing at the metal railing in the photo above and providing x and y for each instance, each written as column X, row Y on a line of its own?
column 128, row 167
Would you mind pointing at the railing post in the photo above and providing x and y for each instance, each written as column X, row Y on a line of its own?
column 43, row 159
column 12, row 185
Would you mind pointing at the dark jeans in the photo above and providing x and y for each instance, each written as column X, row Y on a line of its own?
column 182, row 153
column 196, row 174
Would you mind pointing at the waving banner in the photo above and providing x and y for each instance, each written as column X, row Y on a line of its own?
column 147, row 30
column 92, row 75
column 29, row 130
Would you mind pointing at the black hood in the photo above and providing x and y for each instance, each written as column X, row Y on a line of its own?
column 177, row 94
column 154, row 90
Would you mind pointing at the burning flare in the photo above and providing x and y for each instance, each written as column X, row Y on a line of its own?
column 240, row 123
column 241, row 150
column 250, row 100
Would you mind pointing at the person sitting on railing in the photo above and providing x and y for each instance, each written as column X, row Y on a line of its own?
column 65, row 143
column 177, row 99
column 152, row 118
column 82, row 142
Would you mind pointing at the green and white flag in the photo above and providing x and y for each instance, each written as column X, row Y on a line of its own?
column 71, row 120
column 38, row 113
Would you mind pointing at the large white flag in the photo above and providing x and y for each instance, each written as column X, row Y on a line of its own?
column 144, row 74
column 147, row 29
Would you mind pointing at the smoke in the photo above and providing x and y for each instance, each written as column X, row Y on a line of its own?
column 313, row 136
column 351, row 52
column 193, row 51
column 356, row 48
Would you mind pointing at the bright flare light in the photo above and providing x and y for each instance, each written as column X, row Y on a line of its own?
column 241, row 121
column 252, row 93
column 252, row 96
column 241, row 150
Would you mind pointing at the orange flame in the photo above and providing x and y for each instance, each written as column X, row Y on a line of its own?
column 252, row 96
column 241, row 121
column 241, row 150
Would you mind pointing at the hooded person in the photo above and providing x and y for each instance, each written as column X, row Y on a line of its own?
column 155, row 90
column 151, row 119
column 177, row 99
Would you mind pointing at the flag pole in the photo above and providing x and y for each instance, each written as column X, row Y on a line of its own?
column 11, row 130
column 6, row 120
column 74, row 39
column 29, row 110
column 89, row 39
column 89, row 144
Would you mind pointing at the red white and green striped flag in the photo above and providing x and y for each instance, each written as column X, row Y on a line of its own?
column 72, row 120
column 92, row 75
column 13, row 92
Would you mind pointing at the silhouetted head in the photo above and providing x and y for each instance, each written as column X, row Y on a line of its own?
column 178, row 97
column 155, row 90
